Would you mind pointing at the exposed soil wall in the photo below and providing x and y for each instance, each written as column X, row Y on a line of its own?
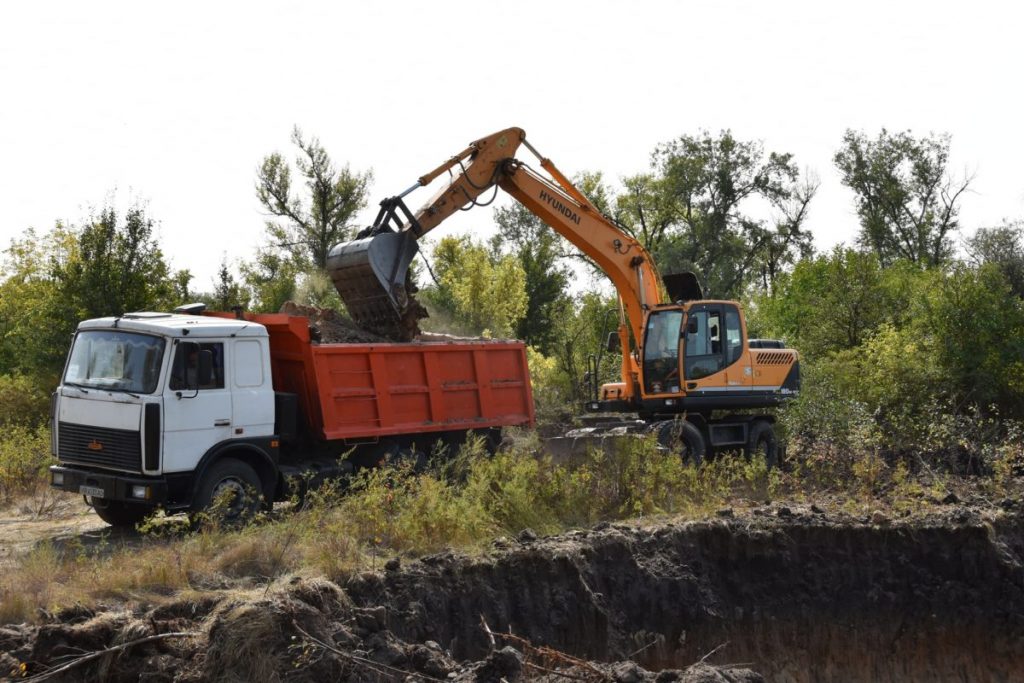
column 799, row 598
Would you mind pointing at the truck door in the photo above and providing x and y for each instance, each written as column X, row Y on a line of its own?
column 195, row 416
column 714, row 358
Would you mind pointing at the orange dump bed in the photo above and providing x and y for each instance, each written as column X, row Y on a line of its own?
column 361, row 391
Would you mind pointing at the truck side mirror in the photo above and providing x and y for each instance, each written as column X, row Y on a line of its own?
column 205, row 371
column 612, row 345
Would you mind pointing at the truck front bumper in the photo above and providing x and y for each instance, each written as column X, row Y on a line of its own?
column 108, row 485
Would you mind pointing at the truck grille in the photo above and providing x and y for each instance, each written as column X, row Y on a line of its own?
column 116, row 449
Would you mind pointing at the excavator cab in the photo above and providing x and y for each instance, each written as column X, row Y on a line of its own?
column 663, row 351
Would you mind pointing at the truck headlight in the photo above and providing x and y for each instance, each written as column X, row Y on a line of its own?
column 140, row 492
column 57, row 478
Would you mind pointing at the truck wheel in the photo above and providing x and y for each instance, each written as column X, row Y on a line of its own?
column 119, row 514
column 683, row 438
column 762, row 443
column 230, row 491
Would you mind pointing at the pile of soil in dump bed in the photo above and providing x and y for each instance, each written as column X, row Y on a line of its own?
column 332, row 327
column 795, row 593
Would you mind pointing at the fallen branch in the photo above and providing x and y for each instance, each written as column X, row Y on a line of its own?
column 92, row 656
column 713, row 651
column 552, row 656
column 487, row 630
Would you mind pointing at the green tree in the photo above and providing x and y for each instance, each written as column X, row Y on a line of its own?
column 690, row 212
column 480, row 291
column 907, row 201
column 1003, row 247
column 834, row 301
column 227, row 291
column 271, row 280
column 975, row 324
column 106, row 266
column 538, row 249
column 33, row 333
column 117, row 267
column 306, row 229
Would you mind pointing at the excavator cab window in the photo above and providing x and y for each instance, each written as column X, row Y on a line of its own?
column 714, row 339
column 661, row 352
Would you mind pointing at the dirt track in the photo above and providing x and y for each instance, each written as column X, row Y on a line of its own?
column 794, row 595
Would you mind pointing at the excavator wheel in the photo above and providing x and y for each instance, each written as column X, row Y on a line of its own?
column 683, row 438
column 763, row 443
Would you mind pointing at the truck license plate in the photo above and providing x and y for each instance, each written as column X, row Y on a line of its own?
column 94, row 491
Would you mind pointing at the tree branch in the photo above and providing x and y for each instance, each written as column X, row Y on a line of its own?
column 117, row 648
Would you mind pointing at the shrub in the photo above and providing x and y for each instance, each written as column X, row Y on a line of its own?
column 24, row 457
column 23, row 401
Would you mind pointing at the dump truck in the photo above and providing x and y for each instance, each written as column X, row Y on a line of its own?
column 181, row 410
column 689, row 371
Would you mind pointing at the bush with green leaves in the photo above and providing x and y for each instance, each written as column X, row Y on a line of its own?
column 24, row 457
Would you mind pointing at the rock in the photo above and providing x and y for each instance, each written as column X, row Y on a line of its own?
column 527, row 536
column 627, row 672
column 506, row 663
column 372, row 619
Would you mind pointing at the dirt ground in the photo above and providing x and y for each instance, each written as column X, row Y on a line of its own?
column 46, row 516
column 776, row 592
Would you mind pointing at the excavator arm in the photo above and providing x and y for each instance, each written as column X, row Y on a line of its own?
column 370, row 272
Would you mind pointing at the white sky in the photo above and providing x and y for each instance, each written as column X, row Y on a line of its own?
column 176, row 104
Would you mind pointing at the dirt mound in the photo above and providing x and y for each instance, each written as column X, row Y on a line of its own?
column 797, row 594
column 332, row 327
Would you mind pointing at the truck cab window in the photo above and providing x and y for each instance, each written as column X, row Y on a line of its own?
column 185, row 368
column 661, row 352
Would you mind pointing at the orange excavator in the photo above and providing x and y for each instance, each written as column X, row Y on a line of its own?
column 688, row 368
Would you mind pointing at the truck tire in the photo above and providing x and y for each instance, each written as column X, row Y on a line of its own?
column 230, row 491
column 683, row 438
column 762, row 443
column 119, row 514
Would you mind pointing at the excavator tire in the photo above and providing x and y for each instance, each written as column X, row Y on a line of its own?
column 683, row 438
column 763, row 443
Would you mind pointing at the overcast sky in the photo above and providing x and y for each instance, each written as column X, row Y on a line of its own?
column 175, row 104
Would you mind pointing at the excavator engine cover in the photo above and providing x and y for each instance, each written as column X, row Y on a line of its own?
column 369, row 274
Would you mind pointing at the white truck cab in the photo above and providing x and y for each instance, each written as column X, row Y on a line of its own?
column 150, row 404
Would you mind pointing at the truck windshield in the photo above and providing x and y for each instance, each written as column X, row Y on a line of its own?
column 116, row 361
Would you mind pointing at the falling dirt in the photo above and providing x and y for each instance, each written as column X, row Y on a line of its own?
column 791, row 593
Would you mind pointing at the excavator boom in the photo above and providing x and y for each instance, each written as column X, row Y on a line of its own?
column 370, row 273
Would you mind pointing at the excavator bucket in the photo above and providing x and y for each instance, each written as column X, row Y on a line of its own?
column 369, row 274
